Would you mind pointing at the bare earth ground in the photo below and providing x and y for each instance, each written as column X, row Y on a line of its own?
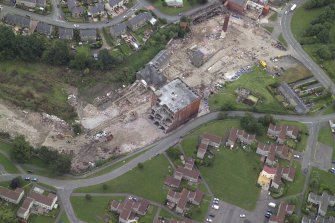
column 123, row 115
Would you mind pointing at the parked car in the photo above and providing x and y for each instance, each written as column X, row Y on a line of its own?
column 34, row 179
column 242, row 215
column 212, row 215
column 215, row 202
column 215, row 207
column 209, row 220
column 272, row 204
column 27, row 178
column 296, row 156
column 267, row 215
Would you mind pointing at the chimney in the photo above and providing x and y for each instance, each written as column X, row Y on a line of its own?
column 225, row 23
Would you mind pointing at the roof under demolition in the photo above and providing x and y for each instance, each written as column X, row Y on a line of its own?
column 176, row 95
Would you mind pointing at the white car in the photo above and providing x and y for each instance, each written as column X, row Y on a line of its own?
column 286, row 12
column 75, row 25
column 209, row 220
column 216, row 199
column 242, row 215
column 215, row 207
column 296, row 156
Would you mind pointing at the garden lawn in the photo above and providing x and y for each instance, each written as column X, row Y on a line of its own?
column 64, row 218
column 92, row 211
column 273, row 17
column 282, row 40
column 6, row 147
column 326, row 137
column 233, row 177
column 295, row 73
column 8, row 165
column 149, row 217
column 329, row 110
column 199, row 213
column 167, row 215
column 298, row 184
column 147, row 182
column 256, row 81
column 173, row 10
column 326, row 179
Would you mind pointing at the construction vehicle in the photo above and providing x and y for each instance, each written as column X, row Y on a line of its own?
column 263, row 63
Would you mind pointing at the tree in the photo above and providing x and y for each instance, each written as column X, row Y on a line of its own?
column 266, row 120
column 105, row 60
column 323, row 36
column 88, row 197
column 7, row 43
column 324, row 53
column 29, row 48
column 314, row 184
column 173, row 153
column 61, row 165
column 104, row 186
column 251, row 125
column 57, row 54
column 140, row 166
column 15, row 183
column 22, row 150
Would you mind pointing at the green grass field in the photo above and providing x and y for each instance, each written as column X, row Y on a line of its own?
column 231, row 183
column 255, row 81
column 326, row 137
column 295, row 73
column 149, row 217
column 300, row 22
column 7, row 164
column 153, row 174
column 64, row 218
column 6, row 147
column 326, row 179
column 199, row 213
column 273, row 17
column 298, row 184
column 329, row 110
column 282, row 40
column 188, row 4
column 94, row 210
column 269, row 28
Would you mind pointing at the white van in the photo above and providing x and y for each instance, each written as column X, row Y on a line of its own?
column 271, row 204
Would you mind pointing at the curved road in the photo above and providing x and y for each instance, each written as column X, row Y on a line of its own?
column 319, row 74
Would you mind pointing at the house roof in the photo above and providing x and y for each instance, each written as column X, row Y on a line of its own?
column 11, row 194
column 151, row 75
column 71, row 4
column 290, row 171
column 282, row 211
column 41, row 2
column 64, row 33
column 189, row 163
column 139, row 18
column 239, row 2
column 160, row 59
column 269, row 170
column 43, row 27
column 47, row 200
column 114, row 2
column 88, row 33
column 77, row 9
column 194, row 173
column 212, row 138
column 174, row 194
column 119, row 28
column 97, row 8
column 17, row 20
column 171, row 181
column 183, row 199
column 25, row 205
column 271, row 155
column 126, row 207
column 282, row 150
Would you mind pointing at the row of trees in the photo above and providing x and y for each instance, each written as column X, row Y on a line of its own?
column 23, row 152
column 317, row 3
column 54, row 52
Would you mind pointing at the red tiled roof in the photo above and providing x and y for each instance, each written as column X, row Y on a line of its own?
column 172, row 182
column 189, row 163
column 183, row 199
column 283, row 150
column 115, row 204
column 144, row 204
column 47, row 200
column 198, row 196
column 174, row 194
column 25, row 205
column 282, row 211
column 11, row 194
column 290, row 171
column 233, row 134
column 212, row 138
column 269, row 170
column 271, row 155
column 263, row 147
column 189, row 173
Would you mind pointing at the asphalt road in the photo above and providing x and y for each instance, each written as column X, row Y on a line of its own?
column 319, row 74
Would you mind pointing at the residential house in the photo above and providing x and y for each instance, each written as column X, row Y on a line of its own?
column 172, row 182
column 283, row 210
column 138, row 21
column 271, row 151
column 45, row 202
column 332, row 125
column 97, row 9
column 280, row 133
column 44, row 28
column 113, row 4
column 208, row 140
column 12, row 196
column 118, row 29
column 88, row 35
column 129, row 208
column 163, row 220
column 26, row 3
column 174, row 3
column 241, row 135
column 65, row 33
column 272, row 176
column 181, row 199
column 76, row 11
column 188, row 172
column 17, row 20
column 323, row 201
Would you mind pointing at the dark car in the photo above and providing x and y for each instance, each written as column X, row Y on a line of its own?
column 267, row 215
column 212, row 215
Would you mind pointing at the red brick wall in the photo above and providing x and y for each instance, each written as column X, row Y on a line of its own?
column 235, row 7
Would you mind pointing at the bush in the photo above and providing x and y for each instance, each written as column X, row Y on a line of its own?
column 88, row 197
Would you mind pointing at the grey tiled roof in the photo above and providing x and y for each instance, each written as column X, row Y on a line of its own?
column 97, row 8
column 65, row 33
column 44, row 28
column 17, row 20
column 113, row 2
column 88, row 33
column 139, row 18
column 118, row 29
